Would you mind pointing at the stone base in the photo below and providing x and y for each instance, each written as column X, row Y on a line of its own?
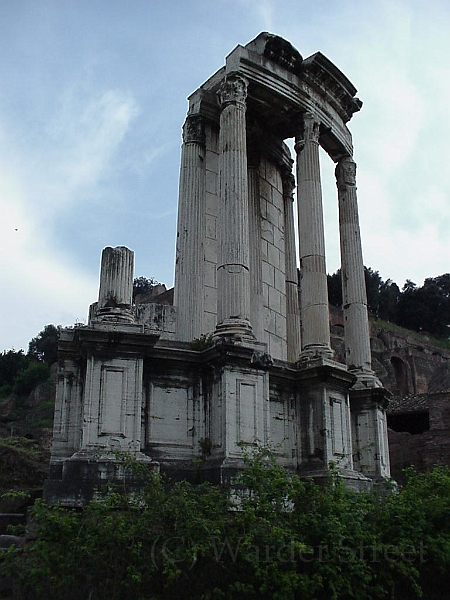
column 352, row 479
column 383, row 484
column 315, row 351
column 224, row 472
column 365, row 380
column 75, row 482
column 234, row 328
column 221, row 472
column 115, row 315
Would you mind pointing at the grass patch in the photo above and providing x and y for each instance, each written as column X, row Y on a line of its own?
column 420, row 337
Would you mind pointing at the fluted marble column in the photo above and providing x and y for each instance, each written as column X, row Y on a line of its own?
column 233, row 277
column 188, row 293
column 256, row 297
column 313, row 286
column 354, row 297
column 115, row 294
column 292, row 305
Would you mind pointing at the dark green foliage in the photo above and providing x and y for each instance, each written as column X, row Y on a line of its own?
column 426, row 308
column 143, row 285
column 19, row 374
column 278, row 538
column 203, row 342
column 389, row 297
column 26, row 380
column 335, row 288
column 44, row 346
column 11, row 362
column 382, row 296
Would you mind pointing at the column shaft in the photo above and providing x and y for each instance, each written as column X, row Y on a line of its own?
column 256, row 297
column 313, row 286
column 292, row 304
column 354, row 298
column 188, row 293
column 233, row 277
column 115, row 294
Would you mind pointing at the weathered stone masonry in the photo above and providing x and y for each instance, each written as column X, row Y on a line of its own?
column 132, row 381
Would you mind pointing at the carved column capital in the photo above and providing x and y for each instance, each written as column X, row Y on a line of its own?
column 233, row 91
column 345, row 172
column 194, row 130
column 288, row 184
column 309, row 131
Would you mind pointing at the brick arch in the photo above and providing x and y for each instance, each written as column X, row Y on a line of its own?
column 402, row 376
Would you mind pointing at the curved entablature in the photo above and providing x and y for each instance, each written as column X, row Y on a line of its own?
column 281, row 87
column 278, row 50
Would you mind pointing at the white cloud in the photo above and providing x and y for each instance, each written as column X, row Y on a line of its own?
column 37, row 286
column 41, row 285
column 63, row 150
column 86, row 133
column 265, row 9
column 401, row 117
column 265, row 12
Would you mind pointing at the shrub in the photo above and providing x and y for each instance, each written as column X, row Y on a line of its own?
column 27, row 379
column 276, row 537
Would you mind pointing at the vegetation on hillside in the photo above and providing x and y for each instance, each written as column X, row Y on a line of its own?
column 277, row 538
column 26, row 412
column 20, row 372
column 23, row 463
column 423, row 309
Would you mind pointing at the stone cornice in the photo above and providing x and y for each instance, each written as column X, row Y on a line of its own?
column 330, row 82
column 281, row 87
column 106, row 340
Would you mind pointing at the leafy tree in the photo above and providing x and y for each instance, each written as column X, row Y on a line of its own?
column 11, row 363
column 426, row 308
column 382, row 296
column 44, row 346
column 373, row 285
column 27, row 379
column 409, row 286
column 143, row 285
column 20, row 373
column 335, row 288
column 276, row 537
column 389, row 296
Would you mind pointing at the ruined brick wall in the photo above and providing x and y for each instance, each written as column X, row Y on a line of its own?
column 406, row 362
column 423, row 450
column 417, row 373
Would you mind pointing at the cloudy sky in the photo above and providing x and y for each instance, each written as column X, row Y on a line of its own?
column 92, row 100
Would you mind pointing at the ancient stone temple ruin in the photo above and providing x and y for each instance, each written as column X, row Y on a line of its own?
column 243, row 355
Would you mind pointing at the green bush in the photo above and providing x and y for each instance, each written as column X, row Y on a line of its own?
column 11, row 363
column 276, row 537
column 27, row 379
column 5, row 390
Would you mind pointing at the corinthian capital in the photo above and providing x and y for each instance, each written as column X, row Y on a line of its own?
column 310, row 128
column 194, row 130
column 309, row 131
column 233, row 90
column 345, row 172
column 288, row 184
